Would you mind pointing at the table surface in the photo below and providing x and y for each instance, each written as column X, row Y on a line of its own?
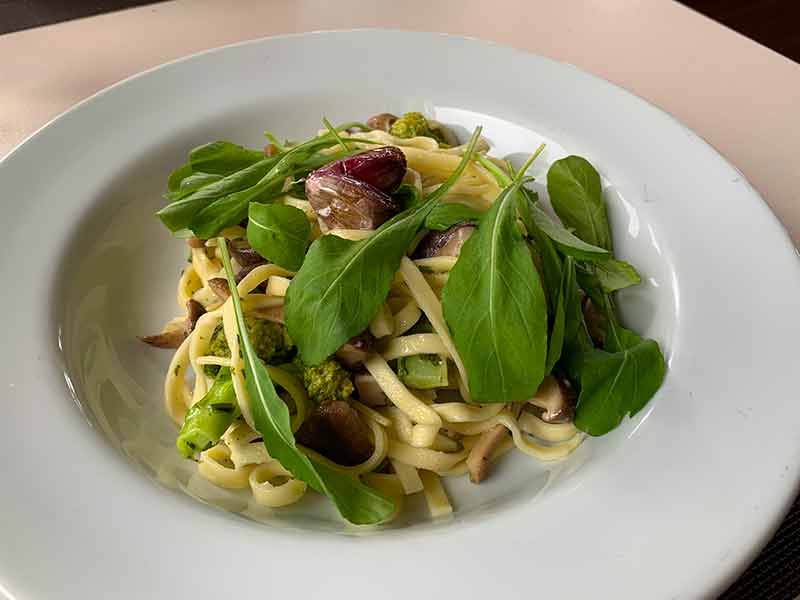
column 741, row 97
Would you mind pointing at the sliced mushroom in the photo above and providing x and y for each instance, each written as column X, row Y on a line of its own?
column 354, row 352
column 556, row 401
column 194, row 310
column 382, row 121
column 336, row 431
column 167, row 339
column 270, row 150
column 479, row 458
column 174, row 337
column 369, row 392
column 220, row 287
column 196, row 242
column 244, row 254
column 444, row 243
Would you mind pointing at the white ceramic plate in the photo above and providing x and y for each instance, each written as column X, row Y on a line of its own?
column 673, row 504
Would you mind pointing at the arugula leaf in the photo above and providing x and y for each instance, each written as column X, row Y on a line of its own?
column 545, row 249
column 278, row 233
column 407, row 196
column 613, row 384
column 232, row 209
column 223, row 158
column 614, row 274
column 258, row 181
column 358, row 503
column 178, row 215
column 495, row 307
column 343, row 283
column 444, row 216
column 567, row 317
column 190, row 184
column 577, row 197
column 177, row 176
column 566, row 242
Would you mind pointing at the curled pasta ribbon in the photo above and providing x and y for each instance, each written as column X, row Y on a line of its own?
column 188, row 284
column 549, row 432
column 459, row 412
column 430, row 305
column 428, row 421
column 216, row 466
column 258, row 276
column 177, row 395
column 244, row 449
column 424, row 458
column 274, row 496
column 406, row 317
column 198, row 346
column 436, row 264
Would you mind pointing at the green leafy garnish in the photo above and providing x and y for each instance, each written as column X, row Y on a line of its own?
column 444, row 216
column 358, row 503
column 224, row 202
column 278, row 233
column 615, row 383
column 223, row 158
column 343, row 283
column 495, row 307
column 577, row 197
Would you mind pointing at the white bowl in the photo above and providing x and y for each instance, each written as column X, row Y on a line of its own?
column 672, row 504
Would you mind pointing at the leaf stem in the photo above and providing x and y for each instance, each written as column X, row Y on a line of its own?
column 333, row 132
column 529, row 162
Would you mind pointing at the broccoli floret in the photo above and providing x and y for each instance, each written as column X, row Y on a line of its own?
column 270, row 341
column 326, row 381
column 414, row 124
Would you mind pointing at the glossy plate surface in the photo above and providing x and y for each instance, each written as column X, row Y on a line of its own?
column 672, row 504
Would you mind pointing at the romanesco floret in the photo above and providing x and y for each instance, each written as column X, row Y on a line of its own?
column 326, row 381
column 414, row 124
column 270, row 341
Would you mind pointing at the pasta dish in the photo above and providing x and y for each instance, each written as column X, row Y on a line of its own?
column 384, row 306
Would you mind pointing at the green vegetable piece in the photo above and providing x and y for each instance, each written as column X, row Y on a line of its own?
column 422, row 371
column 269, row 339
column 259, row 181
column 413, row 124
column 179, row 214
column 566, row 242
column 278, row 233
column 325, row 382
column 550, row 259
column 407, row 196
column 496, row 309
column 358, row 503
column 614, row 274
column 208, row 419
column 223, row 158
column 577, row 197
column 177, row 176
column 342, row 283
column 444, row 216
column 191, row 184
column 617, row 382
